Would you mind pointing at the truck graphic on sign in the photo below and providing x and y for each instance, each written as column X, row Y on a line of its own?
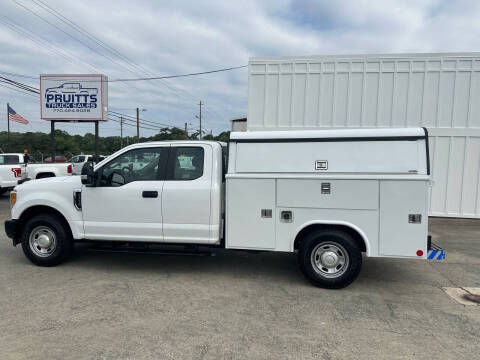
column 71, row 88
column 71, row 95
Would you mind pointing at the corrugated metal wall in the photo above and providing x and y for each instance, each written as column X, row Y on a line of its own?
column 439, row 91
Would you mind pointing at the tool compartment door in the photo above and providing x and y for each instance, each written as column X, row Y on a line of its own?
column 402, row 232
column 250, row 214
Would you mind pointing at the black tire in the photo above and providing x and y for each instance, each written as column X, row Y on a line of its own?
column 318, row 246
column 46, row 225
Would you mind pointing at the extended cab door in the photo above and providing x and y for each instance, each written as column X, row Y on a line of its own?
column 186, row 199
column 126, row 204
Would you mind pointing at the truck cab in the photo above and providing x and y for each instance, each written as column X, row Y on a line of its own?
column 160, row 192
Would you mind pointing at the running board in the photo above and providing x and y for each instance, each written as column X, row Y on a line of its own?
column 134, row 250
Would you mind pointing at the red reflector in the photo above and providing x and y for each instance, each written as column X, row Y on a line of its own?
column 69, row 168
column 419, row 252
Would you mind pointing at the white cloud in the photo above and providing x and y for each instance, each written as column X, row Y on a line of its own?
column 186, row 36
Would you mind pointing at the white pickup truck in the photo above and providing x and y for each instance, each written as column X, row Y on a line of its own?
column 34, row 170
column 327, row 195
column 11, row 171
column 79, row 160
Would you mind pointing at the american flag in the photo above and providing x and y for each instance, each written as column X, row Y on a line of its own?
column 13, row 116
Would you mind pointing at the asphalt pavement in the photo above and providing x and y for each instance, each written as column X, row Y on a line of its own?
column 238, row 305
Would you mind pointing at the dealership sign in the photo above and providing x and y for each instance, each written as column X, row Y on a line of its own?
column 73, row 97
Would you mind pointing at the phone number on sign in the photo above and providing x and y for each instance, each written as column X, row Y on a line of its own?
column 71, row 110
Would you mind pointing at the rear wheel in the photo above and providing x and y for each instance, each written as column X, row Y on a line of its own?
column 330, row 258
column 46, row 241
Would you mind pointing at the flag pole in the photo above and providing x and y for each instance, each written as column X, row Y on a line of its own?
column 8, row 129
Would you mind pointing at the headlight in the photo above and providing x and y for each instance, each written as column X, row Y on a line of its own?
column 13, row 198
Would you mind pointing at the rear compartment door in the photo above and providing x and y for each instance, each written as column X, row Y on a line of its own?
column 403, row 218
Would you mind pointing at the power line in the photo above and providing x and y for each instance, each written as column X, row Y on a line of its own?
column 147, row 124
column 70, row 35
column 74, row 57
column 101, row 43
column 20, row 85
column 134, row 125
column 42, row 43
column 182, row 75
column 2, row 83
column 118, row 114
column 172, row 76
column 45, row 7
column 19, row 75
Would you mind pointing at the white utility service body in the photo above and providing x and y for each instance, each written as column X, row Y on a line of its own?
column 328, row 194
column 367, row 180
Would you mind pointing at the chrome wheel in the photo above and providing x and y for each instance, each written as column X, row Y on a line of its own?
column 330, row 260
column 42, row 241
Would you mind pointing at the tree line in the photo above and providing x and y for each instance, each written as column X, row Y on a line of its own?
column 38, row 143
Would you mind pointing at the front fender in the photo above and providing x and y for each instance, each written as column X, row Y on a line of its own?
column 61, row 202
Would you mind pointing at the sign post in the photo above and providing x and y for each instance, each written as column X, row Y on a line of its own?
column 78, row 98
column 52, row 140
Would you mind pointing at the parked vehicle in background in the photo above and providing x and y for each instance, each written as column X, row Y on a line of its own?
column 58, row 159
column 79, row 160
column 33, row 170
column 11, row 170
column 327, row 195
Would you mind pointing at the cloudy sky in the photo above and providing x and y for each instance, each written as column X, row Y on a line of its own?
column 145, row 38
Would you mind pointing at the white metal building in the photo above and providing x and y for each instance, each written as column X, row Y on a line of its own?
column 437, row 91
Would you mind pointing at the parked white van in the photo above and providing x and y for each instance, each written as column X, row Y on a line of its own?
column 328, row 196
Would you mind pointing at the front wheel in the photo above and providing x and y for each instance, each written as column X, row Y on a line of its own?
column 46, row 241
column 330, row 258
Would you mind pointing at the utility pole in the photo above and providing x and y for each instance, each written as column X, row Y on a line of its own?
column 186, row 131
column 8, row 129
column 121, row 132
column 138, row 126
column 200, row 118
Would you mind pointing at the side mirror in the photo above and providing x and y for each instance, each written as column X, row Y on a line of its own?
column 88, row 175
column 117, row 179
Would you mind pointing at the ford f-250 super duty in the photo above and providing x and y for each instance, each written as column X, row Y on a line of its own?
column 327, row 195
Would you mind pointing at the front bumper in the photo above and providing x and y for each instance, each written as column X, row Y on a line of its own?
column 12, row 228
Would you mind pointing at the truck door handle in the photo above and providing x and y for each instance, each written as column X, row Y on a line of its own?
column 150, row 194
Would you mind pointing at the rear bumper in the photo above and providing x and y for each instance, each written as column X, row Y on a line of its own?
column 435, row 252
column 9, row 184
column 12, row 228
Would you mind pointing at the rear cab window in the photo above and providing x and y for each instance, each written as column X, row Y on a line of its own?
column 9, row 160
column 186, row 163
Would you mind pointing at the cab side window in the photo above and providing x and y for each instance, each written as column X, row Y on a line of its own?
column 186, row 163
column 9, row 159
column 133, row 165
